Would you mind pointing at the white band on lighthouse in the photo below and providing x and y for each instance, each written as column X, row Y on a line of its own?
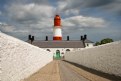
column 57, row 32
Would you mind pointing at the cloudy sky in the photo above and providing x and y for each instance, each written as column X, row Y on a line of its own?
column 97, row 18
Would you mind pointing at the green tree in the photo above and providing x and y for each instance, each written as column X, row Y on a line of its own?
column 106, row 40
column 97, row 43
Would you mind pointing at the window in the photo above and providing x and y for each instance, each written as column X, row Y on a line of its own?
column 62, row 53
column 48, row 50
column 87, row 44
column 57, row 50
column 67, row 50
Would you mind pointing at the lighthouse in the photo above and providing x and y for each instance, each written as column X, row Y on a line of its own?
column 57, row 33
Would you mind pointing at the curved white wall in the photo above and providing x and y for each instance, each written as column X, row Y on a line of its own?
column 105, row 58
column 20, row 59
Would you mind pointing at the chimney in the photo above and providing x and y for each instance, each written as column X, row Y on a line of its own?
column 46, row 38
column 29, row 37
column 85, row 37
column 67, row 38
column 32, row 39
column 81, row 38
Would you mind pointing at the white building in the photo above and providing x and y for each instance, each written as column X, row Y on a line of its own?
column 59, row 48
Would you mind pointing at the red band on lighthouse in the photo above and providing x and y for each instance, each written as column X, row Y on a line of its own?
column 57, row 28
column 57, row 21
column 57, row 38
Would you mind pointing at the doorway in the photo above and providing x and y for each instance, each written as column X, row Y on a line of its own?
column 58, row 54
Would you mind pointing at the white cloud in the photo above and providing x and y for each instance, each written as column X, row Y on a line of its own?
column 81, row 21
column 31, row 17
column 63, row 8
column 68, row 6
column 61, row 5
column 113, row 7
column 72, row 12
column 6, row 28
column 30, row 12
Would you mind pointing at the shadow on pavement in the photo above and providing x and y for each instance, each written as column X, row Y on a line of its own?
column 99, row 73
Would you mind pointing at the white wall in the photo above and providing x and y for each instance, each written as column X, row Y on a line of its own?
column 19, row 59
column 105, row 58
column 88, row 45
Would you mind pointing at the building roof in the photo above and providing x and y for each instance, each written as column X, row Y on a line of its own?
column 88, row 41
column 58, row 44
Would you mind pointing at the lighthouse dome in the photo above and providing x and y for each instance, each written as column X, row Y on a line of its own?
column 57, row 17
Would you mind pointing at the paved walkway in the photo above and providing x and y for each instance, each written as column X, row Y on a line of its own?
column 63, row 71
column 48, row 73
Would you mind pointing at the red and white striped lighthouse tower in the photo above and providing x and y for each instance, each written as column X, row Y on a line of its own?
column 57, row 28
